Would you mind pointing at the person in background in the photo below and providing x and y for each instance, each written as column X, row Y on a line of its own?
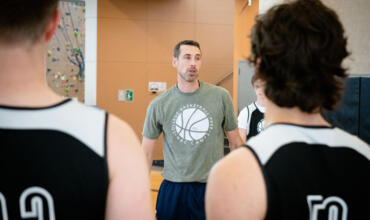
column 300, row 166
column 59, row 159
column 250, row 119
column 193, row 116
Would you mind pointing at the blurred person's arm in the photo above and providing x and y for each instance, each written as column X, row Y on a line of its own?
column 129, row 185
column 236, row 188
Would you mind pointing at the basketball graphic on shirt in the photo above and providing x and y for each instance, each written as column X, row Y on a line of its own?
column 191, row 123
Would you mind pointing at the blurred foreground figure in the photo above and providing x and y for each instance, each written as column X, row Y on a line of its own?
column 300, row 166
column 59, row 159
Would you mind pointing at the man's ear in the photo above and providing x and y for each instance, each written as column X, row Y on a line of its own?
column 52, row 26
column 174, row 62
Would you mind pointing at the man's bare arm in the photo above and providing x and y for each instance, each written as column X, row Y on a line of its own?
column 148, row 147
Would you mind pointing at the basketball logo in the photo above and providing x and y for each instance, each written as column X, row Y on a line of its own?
column 192, row 124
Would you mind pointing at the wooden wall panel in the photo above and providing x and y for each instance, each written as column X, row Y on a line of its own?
column 214, row 73
column 171, row 11
column 120, row 44
column 215, row 49
column 162, row 72
column 163, row 36
column 120, row 75
column 214, row 12
column 123, row 9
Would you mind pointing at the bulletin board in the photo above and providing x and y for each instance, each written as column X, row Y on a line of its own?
column 66, row 54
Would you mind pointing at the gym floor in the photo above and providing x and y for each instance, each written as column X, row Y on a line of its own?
column 155, row 181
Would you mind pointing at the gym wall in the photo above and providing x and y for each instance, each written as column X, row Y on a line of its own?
column 135, row 43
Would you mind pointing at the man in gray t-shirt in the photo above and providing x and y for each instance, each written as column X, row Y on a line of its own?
column 193, row 117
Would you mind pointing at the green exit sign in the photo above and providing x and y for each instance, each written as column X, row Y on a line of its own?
column 129, row 95
column 125, row 95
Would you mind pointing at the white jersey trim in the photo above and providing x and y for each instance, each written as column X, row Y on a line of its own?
column 85, row 123
column 244, row 118
column 277, row 135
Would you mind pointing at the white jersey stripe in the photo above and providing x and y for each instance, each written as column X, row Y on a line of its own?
column 283, row 134
column 87, row 124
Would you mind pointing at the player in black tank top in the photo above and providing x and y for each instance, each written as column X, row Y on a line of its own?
column 299, row 167
column 313, row 172
column 251, row 119
column 256, row 124
column 59, row 159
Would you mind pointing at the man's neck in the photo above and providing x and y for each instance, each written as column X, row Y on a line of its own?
column 188, row 87
column 23, row 77
column 275, row 114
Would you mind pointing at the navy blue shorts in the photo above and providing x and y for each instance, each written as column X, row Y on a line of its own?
column 179, row 201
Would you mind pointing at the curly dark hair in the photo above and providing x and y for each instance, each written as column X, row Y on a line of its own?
column 25, row 20
column 298, row 49
column 176, row 50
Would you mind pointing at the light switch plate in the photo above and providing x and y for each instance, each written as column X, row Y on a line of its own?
column 121, row 95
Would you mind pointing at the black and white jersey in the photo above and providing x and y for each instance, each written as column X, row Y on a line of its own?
column 251, row 118
column 53, row 162
column 314, row 172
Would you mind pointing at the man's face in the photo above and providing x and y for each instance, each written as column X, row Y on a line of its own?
column 188, row 63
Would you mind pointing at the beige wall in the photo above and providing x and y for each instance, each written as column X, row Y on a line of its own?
column 135, row 42
column 243, row 22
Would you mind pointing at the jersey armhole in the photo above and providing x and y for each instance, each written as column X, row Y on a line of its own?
column 248, row 122
column 105, row 134
column 105, row 144
column 267, row 184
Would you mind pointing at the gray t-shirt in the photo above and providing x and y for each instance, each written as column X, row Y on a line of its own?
column 193, row 127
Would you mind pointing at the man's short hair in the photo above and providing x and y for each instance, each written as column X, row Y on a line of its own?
column 25, row 20
column 176, row 50
column 298, row 49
